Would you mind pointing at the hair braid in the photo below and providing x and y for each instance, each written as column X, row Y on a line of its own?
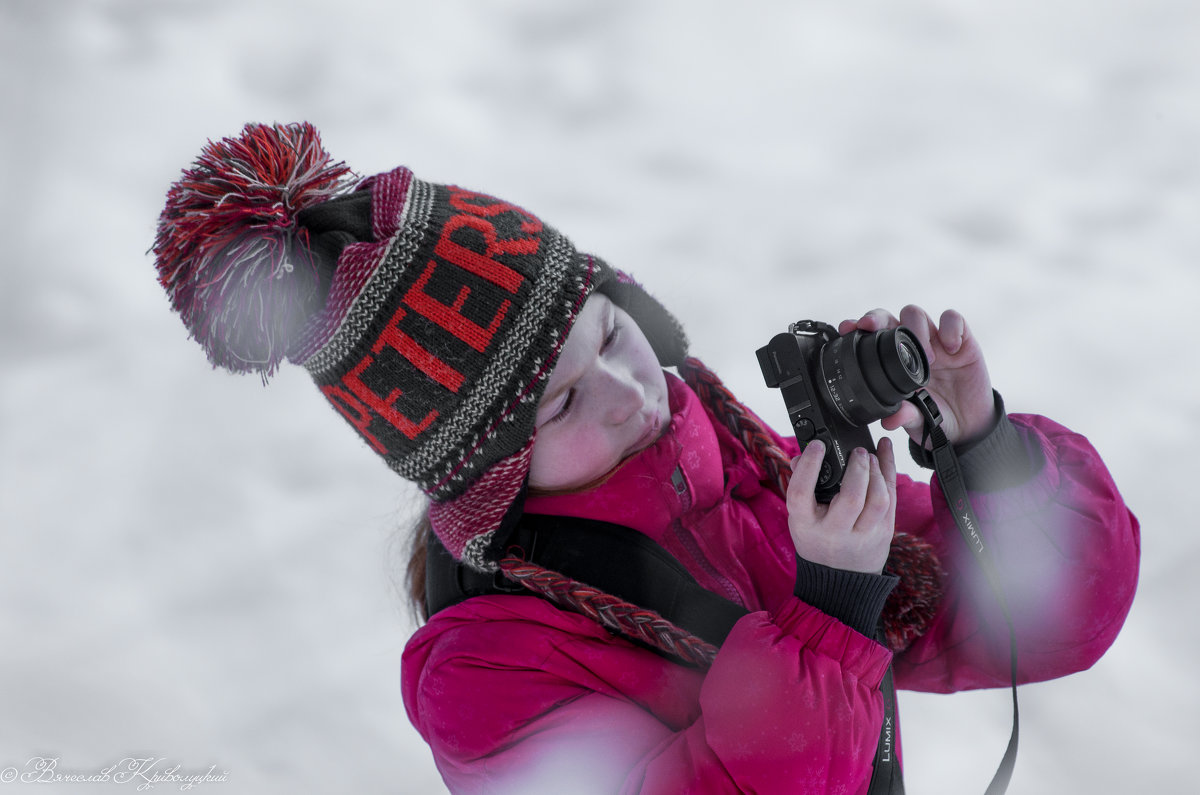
column 610, row 612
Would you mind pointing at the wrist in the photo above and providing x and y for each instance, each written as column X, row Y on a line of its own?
column 854, row 598
column 980, row 425
column 995, row 460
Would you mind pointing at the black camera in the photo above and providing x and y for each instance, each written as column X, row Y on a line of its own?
column 834, row 386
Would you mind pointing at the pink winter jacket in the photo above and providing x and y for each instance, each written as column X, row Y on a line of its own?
column 515, row 695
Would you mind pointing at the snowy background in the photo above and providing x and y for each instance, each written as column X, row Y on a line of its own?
column 204, row 571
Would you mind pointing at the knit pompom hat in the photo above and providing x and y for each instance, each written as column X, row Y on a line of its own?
column 429, row 316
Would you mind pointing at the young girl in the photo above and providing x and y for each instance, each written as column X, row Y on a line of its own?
column 514, row 378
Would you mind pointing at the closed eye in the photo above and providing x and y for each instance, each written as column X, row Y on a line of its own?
column 564, row 410
column 568, row 401
column 612, row 337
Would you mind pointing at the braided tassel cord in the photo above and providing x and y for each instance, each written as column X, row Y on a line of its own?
column 610, row 612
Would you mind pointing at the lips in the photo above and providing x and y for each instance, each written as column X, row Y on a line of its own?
column 651, row 434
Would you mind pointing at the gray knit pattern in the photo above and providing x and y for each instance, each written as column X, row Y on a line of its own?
column 475, row 553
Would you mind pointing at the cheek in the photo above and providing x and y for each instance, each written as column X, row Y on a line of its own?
column 649, row 371
column 569, row 457
column 552, row 463
column 657, row 377
column 653, row 379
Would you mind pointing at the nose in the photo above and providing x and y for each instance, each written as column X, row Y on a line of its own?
column 623, row 395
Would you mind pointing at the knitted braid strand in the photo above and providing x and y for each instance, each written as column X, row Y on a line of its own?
column 610, row 612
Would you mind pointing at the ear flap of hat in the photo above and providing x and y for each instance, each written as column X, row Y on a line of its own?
column 662, row 330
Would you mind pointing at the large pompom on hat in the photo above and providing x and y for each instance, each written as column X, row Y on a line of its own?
column 429, row 316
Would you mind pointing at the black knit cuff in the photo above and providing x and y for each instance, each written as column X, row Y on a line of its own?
column 854, row 598
column 998, row 460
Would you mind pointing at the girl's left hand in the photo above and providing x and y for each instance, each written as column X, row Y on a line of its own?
column 958, row 376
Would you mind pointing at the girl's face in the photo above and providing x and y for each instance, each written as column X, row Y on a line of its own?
column 606, row 400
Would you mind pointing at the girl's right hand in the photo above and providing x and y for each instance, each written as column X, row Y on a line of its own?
column 854, row 531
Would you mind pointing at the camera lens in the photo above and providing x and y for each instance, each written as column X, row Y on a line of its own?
column 867, row 375
column 909, row 359
column 903, row 360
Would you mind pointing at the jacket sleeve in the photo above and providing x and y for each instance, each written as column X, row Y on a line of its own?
column 1066, row 548
column 790, row 704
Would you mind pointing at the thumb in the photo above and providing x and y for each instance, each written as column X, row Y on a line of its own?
column 806, row 470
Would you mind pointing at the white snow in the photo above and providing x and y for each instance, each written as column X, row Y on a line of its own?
column 202, row 571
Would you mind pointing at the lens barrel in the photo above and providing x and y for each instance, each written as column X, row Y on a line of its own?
column 868, row 374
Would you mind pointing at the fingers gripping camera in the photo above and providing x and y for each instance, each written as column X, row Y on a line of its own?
column 835, row 386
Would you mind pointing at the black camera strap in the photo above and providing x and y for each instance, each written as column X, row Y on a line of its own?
column 945, row 464
column 617, row 559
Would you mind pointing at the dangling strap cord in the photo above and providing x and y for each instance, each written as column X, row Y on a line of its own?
column 945, row 464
